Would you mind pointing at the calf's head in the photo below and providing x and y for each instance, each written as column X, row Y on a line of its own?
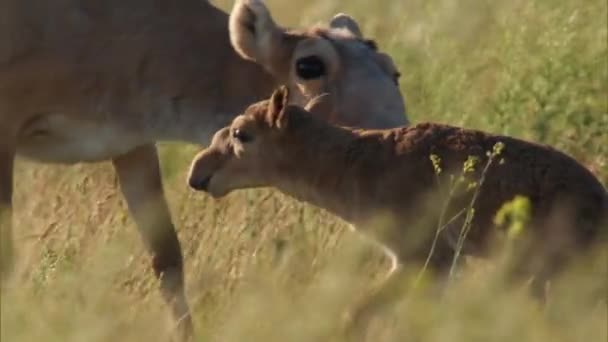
column 252, row 150
column 334, row 59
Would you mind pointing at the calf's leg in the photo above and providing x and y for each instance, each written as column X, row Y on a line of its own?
column 140, row 180
column 394, row 285
column 358, row 318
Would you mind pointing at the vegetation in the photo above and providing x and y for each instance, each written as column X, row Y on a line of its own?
column 263, row 267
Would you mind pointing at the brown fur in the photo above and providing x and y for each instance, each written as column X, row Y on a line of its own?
column 86, row 81
column 360, row 174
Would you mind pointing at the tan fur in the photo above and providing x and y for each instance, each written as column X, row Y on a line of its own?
column 85, row 81
column 360, row 175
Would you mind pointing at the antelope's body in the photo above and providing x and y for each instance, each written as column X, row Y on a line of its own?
column 86, row 81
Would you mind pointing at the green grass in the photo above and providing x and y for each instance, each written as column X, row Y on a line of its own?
column 263, row 267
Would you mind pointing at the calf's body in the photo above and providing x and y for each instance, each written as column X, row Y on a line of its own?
column 361, row 175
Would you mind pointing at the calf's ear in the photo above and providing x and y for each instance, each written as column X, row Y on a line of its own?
column 277, row 105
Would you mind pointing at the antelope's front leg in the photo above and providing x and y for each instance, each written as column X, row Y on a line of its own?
column 7, row 157
column 140, row 180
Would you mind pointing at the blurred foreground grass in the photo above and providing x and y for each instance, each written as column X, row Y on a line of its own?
column 262, row 267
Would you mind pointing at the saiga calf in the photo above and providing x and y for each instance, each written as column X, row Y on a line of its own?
column 360, row 175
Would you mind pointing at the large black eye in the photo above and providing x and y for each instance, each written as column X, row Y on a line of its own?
column 241, row 136
column 310, row 67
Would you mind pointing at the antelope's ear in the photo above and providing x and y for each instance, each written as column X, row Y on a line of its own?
column 279, row 100
column 253, row 32
column 345, row 21
column 321, row 106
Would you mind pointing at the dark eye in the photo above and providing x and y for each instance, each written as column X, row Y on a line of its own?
column 310, row 67
column 241, row 136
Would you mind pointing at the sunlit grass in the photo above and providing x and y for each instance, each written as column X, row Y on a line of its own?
column 263, row 267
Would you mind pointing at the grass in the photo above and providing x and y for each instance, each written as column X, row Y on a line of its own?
column 263, row 267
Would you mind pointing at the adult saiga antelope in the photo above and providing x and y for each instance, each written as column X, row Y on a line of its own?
column 360, row 175
column 86, row 81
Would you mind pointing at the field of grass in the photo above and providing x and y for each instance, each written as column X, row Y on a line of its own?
column 263, row 267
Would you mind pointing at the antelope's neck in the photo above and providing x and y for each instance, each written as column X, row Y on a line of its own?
column 206, row 83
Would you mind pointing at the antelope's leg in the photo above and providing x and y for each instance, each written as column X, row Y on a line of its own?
column 140, row 180
column 7, row 157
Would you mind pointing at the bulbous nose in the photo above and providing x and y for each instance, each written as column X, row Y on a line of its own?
column 199, row 184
